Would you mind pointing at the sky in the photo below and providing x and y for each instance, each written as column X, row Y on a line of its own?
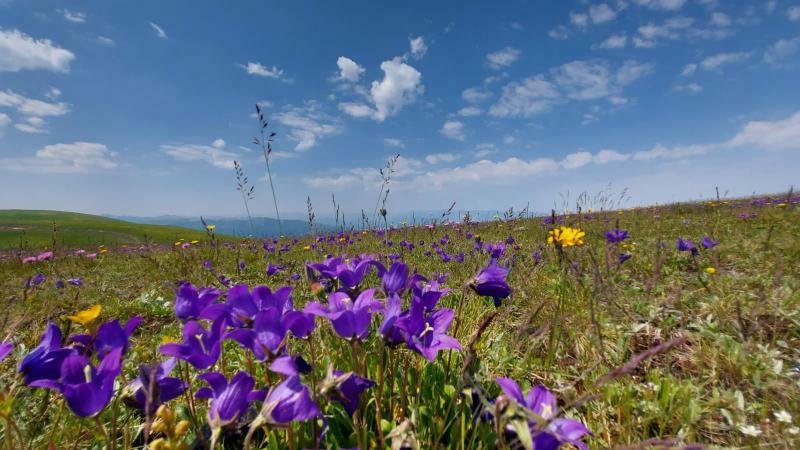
column 141, row 108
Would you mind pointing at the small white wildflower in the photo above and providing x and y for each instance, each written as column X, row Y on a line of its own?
column 750, row 430
column 783, row 416
column 793, row 430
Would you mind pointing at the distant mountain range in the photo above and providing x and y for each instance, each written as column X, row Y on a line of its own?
column 233, row 226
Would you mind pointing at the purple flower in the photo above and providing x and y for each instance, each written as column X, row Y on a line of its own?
column 244, row 305
column 290, row 365
column 425, row 330
column 491, row 282
column 623, row 257
column 350, row 319
column 537, row 256
column 395, row 280
column 708, row 242
column 77, row 281
column 207, row 264
column 86, row 390
column 44, row 361
column 685, row 245
column 616, row 235
column 392, row 335
column 200, row 347
column 5, row 349
column 229, row 400
column 35, row 280
column 273, row 269
column 346, row 388
column 350, row 273
column 266, row 338
column 110, row 335
column 287, row 402
column 193, row 305
column 543, row 403
column 154, row 387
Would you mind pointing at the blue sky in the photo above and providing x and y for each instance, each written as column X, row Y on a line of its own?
column 141, row 107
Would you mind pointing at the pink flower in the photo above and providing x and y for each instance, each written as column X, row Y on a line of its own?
column 28, row 259
column 44, row 256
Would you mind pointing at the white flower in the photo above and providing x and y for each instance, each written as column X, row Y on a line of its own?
column 783, row 416
column 750, row 430
column 793, row 430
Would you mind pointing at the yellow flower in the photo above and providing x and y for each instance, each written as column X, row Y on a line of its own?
column 194, row 241
column 87, row 316
column 566, row 236
column 211, row 227
column 102, row 250
column 306, row 247
column 782, row 205
column 710, row 270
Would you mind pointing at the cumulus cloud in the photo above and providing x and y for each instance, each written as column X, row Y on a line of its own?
column 721, row 59
column 393, row 142
column 436, row 158
column 32, row 125
column 777, row 135
column 694, row 88
column 793, row 13
column 560, row 32
column 580, row 20
column 469, row 111
column 158, row 30
column 613, row 42
column 453, row 129
column 503, row 58
column 782, row 51
column 214, row 154
column 525, row 98
column 32, row 107
column 307, row 125
column 418, row 47
column 18, row 51
column 349, row 70
column 107, row 41
column 74, row 17
column 77, row 157
column 663, row 5
column 475, row 94
column 399, row 87
column 602, row 13
column 257, row 69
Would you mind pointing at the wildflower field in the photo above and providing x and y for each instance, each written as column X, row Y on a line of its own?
column 664, row 327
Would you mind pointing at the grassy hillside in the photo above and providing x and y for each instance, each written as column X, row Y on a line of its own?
column 34, row 230
column 647, row 345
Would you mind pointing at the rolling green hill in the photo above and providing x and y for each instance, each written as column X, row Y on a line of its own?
column 33, row 229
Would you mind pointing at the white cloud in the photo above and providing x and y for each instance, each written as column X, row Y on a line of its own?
column 75, row 17
column 349, row 70
column 664, row 5
column 580, row 20
column 721, row 59
column 255, row 68
column 694, row 88
column 307, row 125
column 778, row 135
column 213, row 154
column 530, row 96
column 720, row 19
column 18, row 51
column 158, row 30
column 356, row 109
column 437, row 158
column 418, row 47
column 560, row 32
column 689, row 70
column 602, row 13
column 607, row 156
column 107, row 41
column 367, row 177
column 630, row 71
column 77, row 157
column 613, row 42
column 32, row 107
column 392, row 142
column 469, row 111
column 485, row 149
column 475, row 94
column 503, row 57
column 453, row 129
column 4, row 122
column 583, row 80
column 400, row 86
column 782, row 51
column 32, row 125
column 53, row 93
column 793, row 13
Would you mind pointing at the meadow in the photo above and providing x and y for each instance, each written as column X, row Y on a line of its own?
column 674, row 326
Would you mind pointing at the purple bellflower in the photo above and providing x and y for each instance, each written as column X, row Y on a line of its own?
column 350, row 319
column 44, row 361
column 200, row 347
column 164, row 388
column 426, row 330
column 491, row 282
column 193, row 305
column 229, row 400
